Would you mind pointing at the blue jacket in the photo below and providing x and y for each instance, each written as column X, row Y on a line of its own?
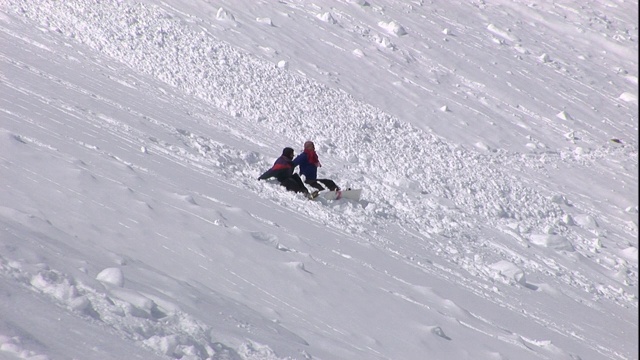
column 309, row 170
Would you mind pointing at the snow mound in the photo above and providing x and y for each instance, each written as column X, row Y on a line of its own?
column 265, row 20
column 393, row 28
column 555, row 242
column 629, row 97
column 224, row 15
column 564, row 115
column 630, row 253
column 113, row 276
column 511, row 274
column 327, row 17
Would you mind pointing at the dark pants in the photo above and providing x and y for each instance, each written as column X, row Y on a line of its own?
column 294, row 183
column 328, row 183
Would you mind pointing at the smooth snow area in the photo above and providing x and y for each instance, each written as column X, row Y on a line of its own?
column 496, row 143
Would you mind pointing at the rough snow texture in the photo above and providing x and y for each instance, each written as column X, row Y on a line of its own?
column 500, row 225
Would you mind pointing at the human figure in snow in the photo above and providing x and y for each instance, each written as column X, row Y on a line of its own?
column 309, row 164
column 282, row 170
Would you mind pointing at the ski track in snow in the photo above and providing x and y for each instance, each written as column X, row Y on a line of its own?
column 455, row 206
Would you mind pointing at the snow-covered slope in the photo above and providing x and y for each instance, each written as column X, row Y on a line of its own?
column 496, row 144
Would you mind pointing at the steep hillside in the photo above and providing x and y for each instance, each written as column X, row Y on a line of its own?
column 500, row 209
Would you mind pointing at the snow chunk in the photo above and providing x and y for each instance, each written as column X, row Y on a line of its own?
column 571, row 135
column 224, row 15
column 568, row 220
column 80, row 304
column 327, row 17
column 359, row 53
column 393, row 28
column 555, row 242
column 112, row 276
column 510, row 270
column 297, row 265
column 596, row 245
column 586, row 221
column 482, row 146
column 265, row 21
column 437, row 330
column 359, row 2
column 628, row 97
column 384, row 42
column 579, row 151
column 630, row 253
column 544, row 58
column 564, row 115
column 137, row 304
column 632, row 79
column 282, row 64
column 55, row 284
column 521, row 49
column 164, row 344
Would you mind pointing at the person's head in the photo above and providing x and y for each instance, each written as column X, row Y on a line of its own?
column 308, row 145
column 288, row 152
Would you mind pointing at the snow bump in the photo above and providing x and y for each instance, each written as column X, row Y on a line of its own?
column 555, row 242
column 113, row 276
column 393, row 27
column 224, row 15
column 628, row 97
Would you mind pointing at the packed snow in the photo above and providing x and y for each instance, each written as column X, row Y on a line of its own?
column 495, row 143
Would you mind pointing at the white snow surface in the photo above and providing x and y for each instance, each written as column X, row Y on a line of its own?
column 496, row 143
